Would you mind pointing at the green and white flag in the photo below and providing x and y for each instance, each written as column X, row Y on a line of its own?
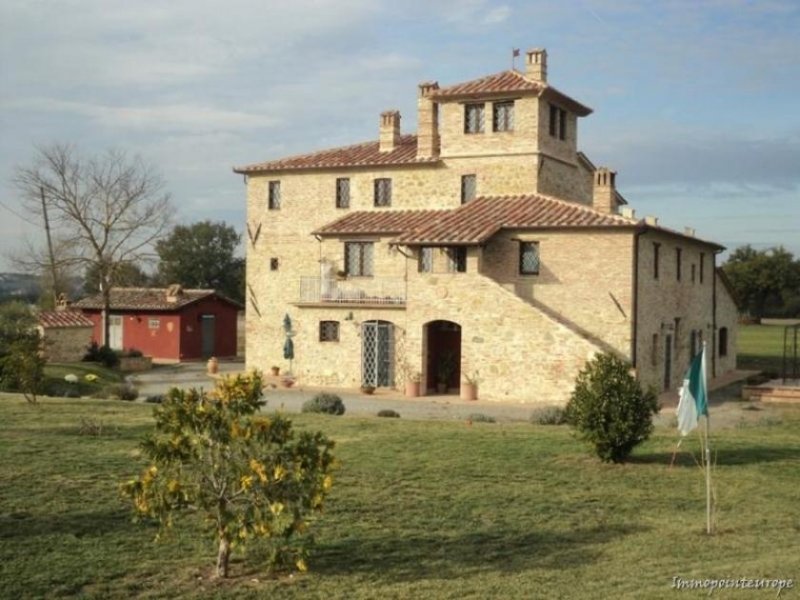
column 694, row 395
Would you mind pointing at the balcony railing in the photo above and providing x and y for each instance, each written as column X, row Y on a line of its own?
column 314, row 290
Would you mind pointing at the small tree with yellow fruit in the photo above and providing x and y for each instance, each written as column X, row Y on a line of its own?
column 252, row 476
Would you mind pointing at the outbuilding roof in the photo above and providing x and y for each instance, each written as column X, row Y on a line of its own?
column 161, row 299
column 63, row 318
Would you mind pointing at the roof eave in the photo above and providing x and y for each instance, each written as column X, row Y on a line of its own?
column 645, row 227
column 551, row 93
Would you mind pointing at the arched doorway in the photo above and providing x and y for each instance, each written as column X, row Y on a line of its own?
column 377, row 353
column 442, row 357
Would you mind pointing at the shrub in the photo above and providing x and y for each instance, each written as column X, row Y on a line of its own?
column 481, row 418
column 548, row 415
column 21, row 365
column 389, row 413
column 329, row 404
column 155, row 399
column 609, row 409
column 121, row 391
column 101, row 354
column 94, row 427
column 250, row 476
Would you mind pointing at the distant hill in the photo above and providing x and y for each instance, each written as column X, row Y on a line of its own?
column 19, row 286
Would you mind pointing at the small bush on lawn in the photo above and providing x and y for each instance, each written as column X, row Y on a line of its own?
column 609, row 409
column 251, row 477
column 94, row 428
column 389, row 413
column 481, row 418
column 329, row 404
column 548, row 415
column 101, row 354
column 121, row 391
column 155, row 399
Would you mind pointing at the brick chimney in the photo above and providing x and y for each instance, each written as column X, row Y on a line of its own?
column 536, row 64
column 427, row 121
column 604, row 194
column 174, row 292
column 390, row 130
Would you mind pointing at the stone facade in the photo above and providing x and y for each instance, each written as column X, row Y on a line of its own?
column 525, row 337
column 65, row 344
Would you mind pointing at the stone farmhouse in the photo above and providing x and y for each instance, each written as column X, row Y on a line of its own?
column 485, row 246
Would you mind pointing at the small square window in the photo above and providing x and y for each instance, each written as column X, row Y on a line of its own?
column 274, row 264
column 426, row 259
column 383, row 192
column 529, row 258
column 153, row 323
column 343, row 192
column 469, row 188
column 473, row 118
column 329, row 331
column 274, row 202
column 503, row 116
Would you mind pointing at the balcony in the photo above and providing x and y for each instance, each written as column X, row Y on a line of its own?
column 372, row 291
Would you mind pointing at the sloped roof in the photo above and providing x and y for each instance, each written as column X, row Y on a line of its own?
column 474, row 222
column 504, row 81
column 366, row 154
column 379, row 222
column 507, row 82
column 146, row 299
column 63, row 318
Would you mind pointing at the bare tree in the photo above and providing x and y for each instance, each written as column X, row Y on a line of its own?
column 105, row 211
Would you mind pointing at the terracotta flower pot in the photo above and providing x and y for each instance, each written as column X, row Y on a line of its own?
column 469, row 391
column 412, row 389
column 212, row 366
column 276, row 371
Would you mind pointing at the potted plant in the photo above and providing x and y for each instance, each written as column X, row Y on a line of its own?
column 341, row 275
column 412, row 384
column 275, row 370
column 469, row 389
column 368, row 389
column 444, row 371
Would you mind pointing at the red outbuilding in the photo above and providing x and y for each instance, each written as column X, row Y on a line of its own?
column 171, row 324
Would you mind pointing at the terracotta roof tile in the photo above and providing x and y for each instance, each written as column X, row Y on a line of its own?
column 63, row 318
column 379, row 222
column 143, row 299
column 366, row 154
column 505, row 81
column 474, row 222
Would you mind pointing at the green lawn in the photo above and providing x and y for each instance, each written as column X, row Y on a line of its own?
column 55, row 385
column 418, row 510
column 760, row 348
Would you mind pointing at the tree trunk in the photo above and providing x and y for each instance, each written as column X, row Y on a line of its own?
column 106, row 316
column 223, row 555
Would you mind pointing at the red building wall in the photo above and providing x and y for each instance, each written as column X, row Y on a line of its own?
column 179, row 334
column 224, row 328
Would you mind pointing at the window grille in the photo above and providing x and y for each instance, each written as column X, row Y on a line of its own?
column 329, row 331
column 383, row 192
column 426, row 259
column 343, row 192
column 503, row 116
column 274, row 195
column 358, row 258
column 469, row 188
column 529, row 258
column 473, row 118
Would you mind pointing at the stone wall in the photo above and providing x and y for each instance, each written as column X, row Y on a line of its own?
column 65, row 344
column 663, row 300
column 728, row 317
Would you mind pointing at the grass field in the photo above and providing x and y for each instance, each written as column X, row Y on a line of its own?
column 418, row 510
column 760, row 348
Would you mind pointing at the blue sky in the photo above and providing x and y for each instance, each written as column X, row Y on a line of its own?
column 696, row 102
